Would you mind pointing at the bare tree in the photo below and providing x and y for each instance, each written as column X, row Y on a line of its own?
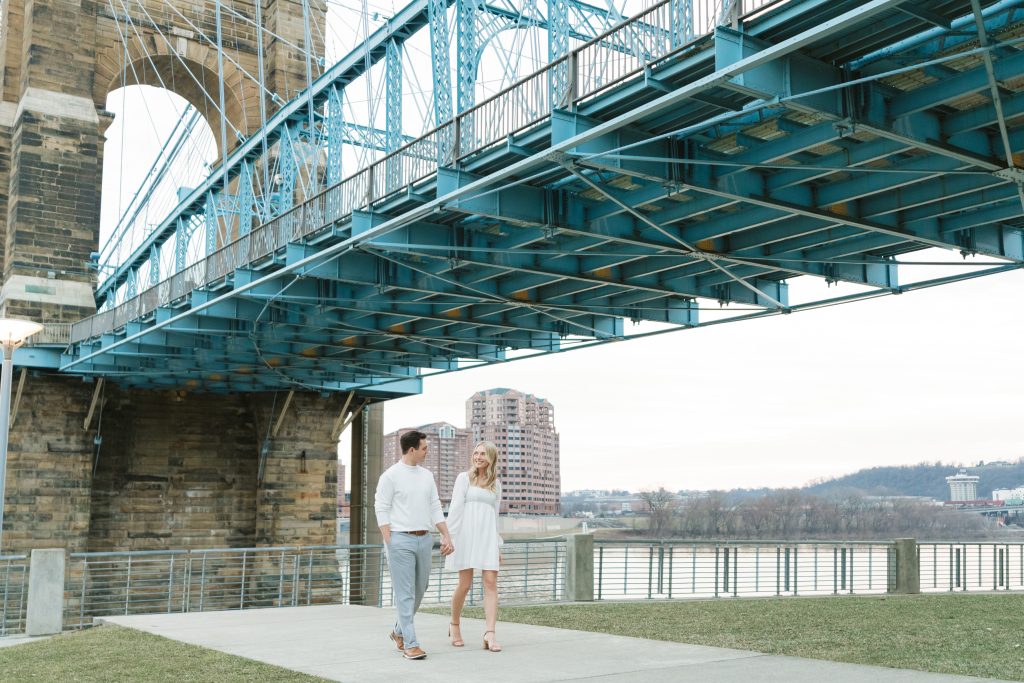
column 660, row 504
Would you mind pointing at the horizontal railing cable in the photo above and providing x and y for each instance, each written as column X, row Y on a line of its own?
column 122, row 583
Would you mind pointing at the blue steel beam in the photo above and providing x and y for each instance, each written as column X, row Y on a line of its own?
column 865, row 151
column 382, row 226
column 154, row 266
column 287, row 172
column 393, row 96
column 558, row 47
column 211, row 223
column 393, row 113
column 335, row 124
column 467, row 43
column 246, row 207
column 441, row 68
column 889, row 281
column 770, row 216
column 181, row 238
column 388, row 332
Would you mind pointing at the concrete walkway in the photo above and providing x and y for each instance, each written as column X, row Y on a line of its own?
column 347, row 643
column 11, row 641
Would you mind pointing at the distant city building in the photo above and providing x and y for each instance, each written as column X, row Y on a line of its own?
column 343, row 500
column 963, row 486
column 1006, row 495
column 448, row 449
column 341, row 484
column 522, row 426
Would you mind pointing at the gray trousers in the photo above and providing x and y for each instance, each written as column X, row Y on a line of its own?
column 409, row 562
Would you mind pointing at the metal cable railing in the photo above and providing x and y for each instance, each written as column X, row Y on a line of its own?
column 534, row 570
column 621, row 53
column 971, row 566
column 712, row 569
column 13, row 603
column 145, row 582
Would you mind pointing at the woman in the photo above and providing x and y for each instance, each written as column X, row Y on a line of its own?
column 473, row 523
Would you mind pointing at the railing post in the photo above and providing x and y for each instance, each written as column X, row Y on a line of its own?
column 170, row 585
column 670, row 553
column 45, row 593
column 128, row 587
column 579, row 570
column 526, row 572
column 650, row 569
column 202, row 584
column 81, row 602
column 572, row 85
column 906, row 576
column 716, row 569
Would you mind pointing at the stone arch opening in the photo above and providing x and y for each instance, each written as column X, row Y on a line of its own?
column 194, row 79
column 156, row 146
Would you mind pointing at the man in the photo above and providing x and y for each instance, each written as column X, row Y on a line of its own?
column 407, row 507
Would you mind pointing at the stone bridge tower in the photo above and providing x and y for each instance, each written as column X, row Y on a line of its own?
column 94, row 466
column 60, row 59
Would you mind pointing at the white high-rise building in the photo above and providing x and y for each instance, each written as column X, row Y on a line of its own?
column 1005, row 495
column 963, row 486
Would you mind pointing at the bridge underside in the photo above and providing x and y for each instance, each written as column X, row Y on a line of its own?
column 810, row 140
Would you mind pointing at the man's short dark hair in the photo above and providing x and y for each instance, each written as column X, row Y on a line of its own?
column 411, row 439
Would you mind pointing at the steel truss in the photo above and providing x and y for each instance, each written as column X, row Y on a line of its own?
column 709, row 174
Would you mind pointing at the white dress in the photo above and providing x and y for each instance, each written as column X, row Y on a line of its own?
column 473, row 525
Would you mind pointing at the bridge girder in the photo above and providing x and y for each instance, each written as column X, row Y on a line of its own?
column 604, row 213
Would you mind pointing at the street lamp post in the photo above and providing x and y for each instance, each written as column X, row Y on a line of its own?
column 13, row 334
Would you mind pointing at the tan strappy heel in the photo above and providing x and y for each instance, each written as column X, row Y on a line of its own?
column 456, row 642
column 491, row 647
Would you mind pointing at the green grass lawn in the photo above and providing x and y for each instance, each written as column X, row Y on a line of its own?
column 111, row 654
column 975, row 635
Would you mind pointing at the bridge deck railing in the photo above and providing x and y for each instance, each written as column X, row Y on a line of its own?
column 145, row 582
column 621, row 53
column 534, row 570
column 665, row 569
column 14, row 599
column 959, row 566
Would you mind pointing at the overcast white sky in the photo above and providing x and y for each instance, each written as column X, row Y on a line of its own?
column 931, row 375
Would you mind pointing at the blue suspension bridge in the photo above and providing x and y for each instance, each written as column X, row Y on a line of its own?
column 572, row 175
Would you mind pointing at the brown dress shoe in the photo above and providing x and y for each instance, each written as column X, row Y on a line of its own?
column 399, row 641
column 414, row 653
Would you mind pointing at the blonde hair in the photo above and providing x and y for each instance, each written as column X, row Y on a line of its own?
column 490, row 477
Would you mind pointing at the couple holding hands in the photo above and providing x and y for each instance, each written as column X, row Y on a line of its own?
column 408, row 507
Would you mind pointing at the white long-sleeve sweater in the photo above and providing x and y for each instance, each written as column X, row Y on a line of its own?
column 407, row 499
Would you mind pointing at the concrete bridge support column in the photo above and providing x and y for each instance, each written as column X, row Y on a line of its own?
column 579, row 569
column 45, row 613
column 367, row 465
column 904, row 567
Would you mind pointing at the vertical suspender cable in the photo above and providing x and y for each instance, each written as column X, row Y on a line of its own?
column 263, row 106
column 223, row 112
column 309, row 93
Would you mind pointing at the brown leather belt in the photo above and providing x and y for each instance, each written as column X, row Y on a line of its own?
column 422, row 532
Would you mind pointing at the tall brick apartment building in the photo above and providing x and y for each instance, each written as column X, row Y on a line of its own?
column 521, row 425
column 447, row 455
